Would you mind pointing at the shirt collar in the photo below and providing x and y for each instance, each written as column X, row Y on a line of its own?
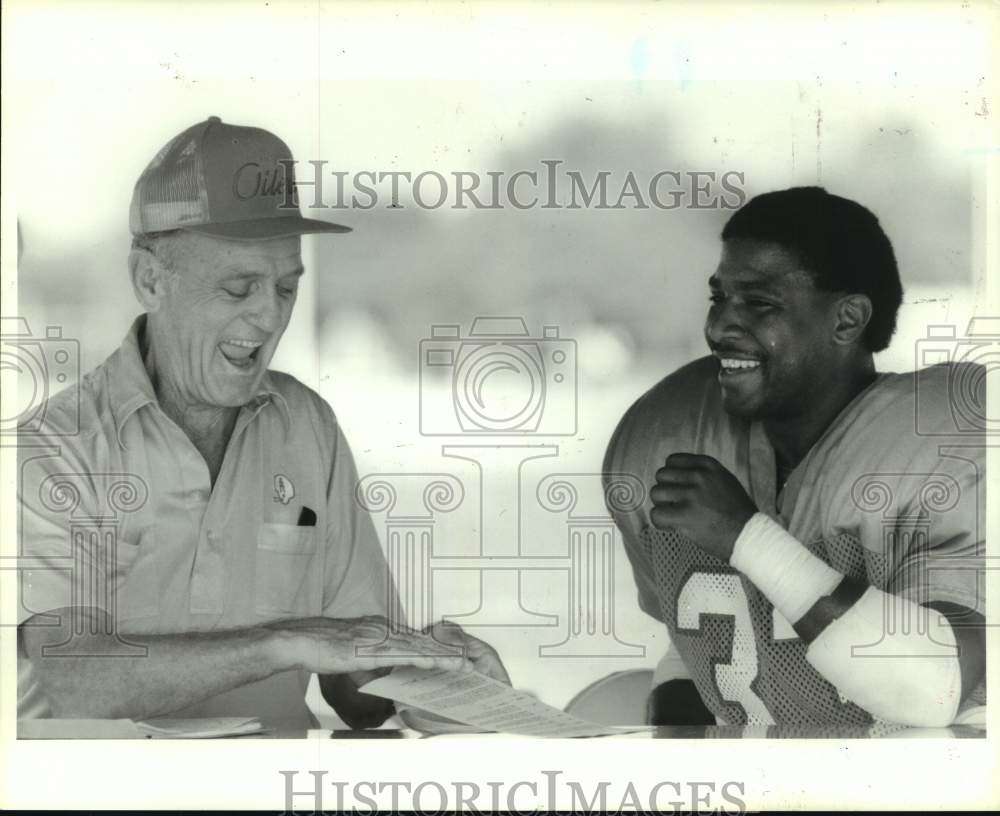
column 131, row 388
column 268, row 393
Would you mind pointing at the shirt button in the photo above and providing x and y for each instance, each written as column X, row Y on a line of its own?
column 200, row 496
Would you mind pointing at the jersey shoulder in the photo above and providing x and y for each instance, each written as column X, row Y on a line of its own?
column 900, row 452
column 945, row 399
column 671, row 415
column 903, row 419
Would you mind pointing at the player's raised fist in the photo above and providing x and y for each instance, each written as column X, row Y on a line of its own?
column 702, row 500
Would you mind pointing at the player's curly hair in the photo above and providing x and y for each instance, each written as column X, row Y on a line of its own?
column 838, row 241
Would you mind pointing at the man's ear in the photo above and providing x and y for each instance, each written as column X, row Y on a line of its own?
column 149, row 278
column 853, row 313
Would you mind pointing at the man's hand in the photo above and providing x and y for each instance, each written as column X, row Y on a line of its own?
column 484, row 660
column 347, row 645
column 483, row 657
column 703, row 501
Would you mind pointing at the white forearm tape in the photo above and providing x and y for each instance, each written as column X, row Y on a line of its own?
column 777, row 563
column 907, row 674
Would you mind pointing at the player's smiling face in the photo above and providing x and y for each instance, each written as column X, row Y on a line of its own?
column 769, row 327
column 225, row 310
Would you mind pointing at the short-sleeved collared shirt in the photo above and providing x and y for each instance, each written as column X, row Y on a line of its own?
column 117, row 511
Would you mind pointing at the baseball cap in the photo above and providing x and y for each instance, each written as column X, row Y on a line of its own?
column 223, row 180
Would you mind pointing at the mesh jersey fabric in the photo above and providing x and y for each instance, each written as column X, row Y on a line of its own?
column 898, row 507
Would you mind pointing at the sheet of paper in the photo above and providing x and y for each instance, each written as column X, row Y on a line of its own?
column 478, row 700
column 160, row 728
column 77, row 729
column 205, row 728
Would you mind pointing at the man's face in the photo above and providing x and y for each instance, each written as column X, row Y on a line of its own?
column 222, row 317
column 771, row 330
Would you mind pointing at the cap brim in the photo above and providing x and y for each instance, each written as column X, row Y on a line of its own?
column 261, row 229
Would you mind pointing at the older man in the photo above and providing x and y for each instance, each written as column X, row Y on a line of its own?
column 243, row 563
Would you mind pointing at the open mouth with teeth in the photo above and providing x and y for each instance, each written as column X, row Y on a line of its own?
column 241, row 354
column 732, row 366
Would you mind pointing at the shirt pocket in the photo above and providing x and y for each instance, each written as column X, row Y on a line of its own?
column 286, row 554
column 136, row 586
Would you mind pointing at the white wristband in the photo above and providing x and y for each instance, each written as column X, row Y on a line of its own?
column 778, row 564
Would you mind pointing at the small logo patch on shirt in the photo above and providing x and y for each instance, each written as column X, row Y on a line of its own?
column 284, row 490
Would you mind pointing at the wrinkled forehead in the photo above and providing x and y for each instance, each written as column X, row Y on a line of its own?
column 205, row 254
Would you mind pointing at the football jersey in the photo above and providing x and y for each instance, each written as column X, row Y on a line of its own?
column 892, row 495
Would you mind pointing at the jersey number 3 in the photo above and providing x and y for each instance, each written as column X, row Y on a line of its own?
column 722, row 594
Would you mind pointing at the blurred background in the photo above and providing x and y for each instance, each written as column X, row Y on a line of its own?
column 626, row 286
